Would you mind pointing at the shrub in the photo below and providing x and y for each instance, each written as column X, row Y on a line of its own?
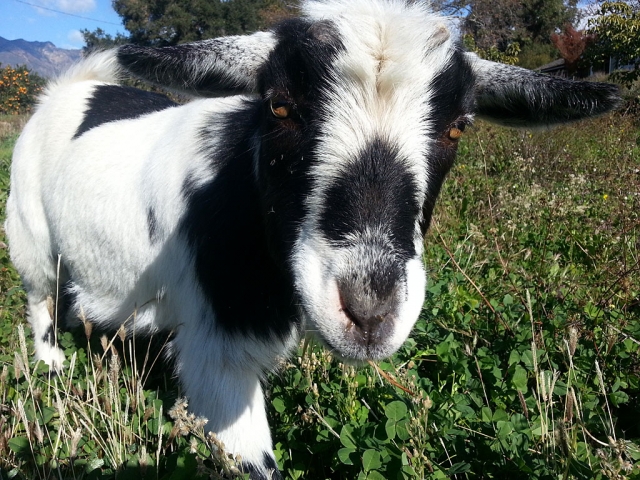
column 631, row 106
column 534, row 55
column 508, row 56
column 615, row 27
column 18, row 89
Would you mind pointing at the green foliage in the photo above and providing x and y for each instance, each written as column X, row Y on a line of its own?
column 571, row 44
column 617, row 31
column 631, row 98
column 509, row 56
column 101, row 40
column 500, row 24
column 175, row 21
column 524, row 363
column 542, row 18
column 345, row 425
column 18, row 89
column 534, row 55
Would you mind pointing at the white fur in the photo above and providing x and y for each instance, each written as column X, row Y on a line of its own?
column 236, row 57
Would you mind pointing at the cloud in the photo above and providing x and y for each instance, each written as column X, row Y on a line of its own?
column 76, row 38
column 67, row 6
column 43, row 12
column 76, row 6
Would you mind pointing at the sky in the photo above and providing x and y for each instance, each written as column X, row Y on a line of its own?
column 56, row 21
column 59, row 22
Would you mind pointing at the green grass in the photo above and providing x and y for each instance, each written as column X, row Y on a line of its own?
column 524, row 364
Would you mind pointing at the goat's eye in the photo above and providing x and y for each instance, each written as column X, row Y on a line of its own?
column 280, row 107
column 455, row 132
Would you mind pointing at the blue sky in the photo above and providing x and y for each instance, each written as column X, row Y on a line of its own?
column 58, row 20
column 19, row 20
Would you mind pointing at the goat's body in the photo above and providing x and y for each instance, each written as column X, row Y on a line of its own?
column 119, row 181
column 129, row 260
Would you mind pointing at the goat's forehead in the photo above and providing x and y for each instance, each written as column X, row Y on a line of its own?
column 383, row 75
column 389, row 64
column 381, row 44
column 384, row 41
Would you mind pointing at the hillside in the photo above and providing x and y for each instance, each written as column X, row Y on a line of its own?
column 42, row 57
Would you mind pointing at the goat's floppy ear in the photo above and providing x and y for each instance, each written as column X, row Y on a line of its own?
column 517, row 97
column 210, row 67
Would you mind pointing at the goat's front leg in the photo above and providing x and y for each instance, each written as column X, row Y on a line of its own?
column 225, row 388
column 44, row 333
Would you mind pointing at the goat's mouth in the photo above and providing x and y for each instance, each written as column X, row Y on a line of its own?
column 356, row 348
column 360, row 309
column 368, row 333
column 354, row 332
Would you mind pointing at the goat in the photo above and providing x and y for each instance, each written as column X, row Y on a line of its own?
column 296, row 199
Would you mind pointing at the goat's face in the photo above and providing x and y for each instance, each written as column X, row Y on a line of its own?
column 361, row 106
column 356, row 138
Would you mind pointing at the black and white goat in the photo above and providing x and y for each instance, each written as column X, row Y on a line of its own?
column 295, row 200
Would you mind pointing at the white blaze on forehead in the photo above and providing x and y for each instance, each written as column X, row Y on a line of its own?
column 392, row 52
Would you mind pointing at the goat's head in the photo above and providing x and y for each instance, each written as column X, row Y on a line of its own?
column 359, row 108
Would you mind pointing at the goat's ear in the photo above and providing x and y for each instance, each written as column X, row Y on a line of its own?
column 210, row 67
column 517, row 97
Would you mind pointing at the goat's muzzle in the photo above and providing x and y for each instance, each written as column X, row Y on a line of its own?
column 370, row 304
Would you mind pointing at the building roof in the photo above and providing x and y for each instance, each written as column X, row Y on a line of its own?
column 551, row 66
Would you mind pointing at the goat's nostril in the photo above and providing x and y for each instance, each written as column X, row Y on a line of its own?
column 353, row 320
column 378, row 319
column 368, row 315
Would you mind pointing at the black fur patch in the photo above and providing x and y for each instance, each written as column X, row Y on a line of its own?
column 172, row 66
column 66, row 301
column 269, row 463
column 49, row 335
column 152, row 225
column 451, row 100
column 297, row 70
column 242, row 228
column 376, row 192
column 110, row 103
column 517, row 97
column 247, row 289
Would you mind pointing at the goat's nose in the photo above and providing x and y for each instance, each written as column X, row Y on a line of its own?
column 370, row 313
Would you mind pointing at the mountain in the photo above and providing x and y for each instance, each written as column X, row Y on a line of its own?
column 43, row 58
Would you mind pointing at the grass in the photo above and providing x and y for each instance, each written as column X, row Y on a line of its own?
column 524, row 364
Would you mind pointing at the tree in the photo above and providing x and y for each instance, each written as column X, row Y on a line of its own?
column 452, row 8
column 165, row 22
column 169, row 22
column 509, row 56
column 100, row 40
column 616, row 27
column 277, row 11
column 498, row 24
column 542, row 18
column 19, row 89
column 493, row 23
column 571, row 44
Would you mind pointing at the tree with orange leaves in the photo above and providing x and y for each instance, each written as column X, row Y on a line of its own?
column 18, row 89
column 571, row 44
